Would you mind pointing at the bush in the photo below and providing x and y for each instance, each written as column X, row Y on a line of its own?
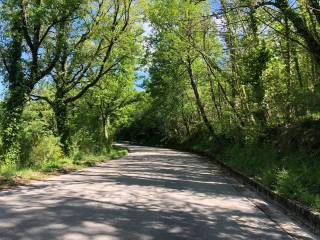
column 269, row 178
column 46, row 150
column 288, row 184
column 252, row 160
column 58, row 164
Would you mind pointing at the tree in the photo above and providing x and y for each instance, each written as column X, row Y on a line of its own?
column 28, row 27
column 310, row 37
column 184, row 36
column 91, row 51
column 107, row 105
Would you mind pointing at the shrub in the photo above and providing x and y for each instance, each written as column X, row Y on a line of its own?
column 46, row 150
column 288, row 184
column 269, row 178
column 58, row 164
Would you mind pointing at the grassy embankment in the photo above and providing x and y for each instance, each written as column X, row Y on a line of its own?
column 13, row 176
column 286, row 159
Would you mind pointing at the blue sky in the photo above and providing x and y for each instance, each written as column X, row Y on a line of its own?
column 2, row 88
column 140, row 76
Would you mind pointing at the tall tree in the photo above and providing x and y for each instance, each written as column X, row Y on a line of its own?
column 91, row 51
column 29, row 26
column 185, row 37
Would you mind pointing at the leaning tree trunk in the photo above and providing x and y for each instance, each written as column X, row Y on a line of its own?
column 198, row 99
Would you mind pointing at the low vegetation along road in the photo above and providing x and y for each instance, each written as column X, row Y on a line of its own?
column 151, row 193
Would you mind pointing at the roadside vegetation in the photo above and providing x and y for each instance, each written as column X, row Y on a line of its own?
column 292, row 173
column 238, row 79
column 68, row 70
column 19, row 175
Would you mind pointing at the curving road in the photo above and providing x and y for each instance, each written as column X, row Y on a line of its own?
column 152, row 193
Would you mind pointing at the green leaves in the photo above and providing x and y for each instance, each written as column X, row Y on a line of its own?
column 255, row 63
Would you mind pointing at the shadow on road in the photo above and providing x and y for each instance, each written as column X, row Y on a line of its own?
column 149, row 194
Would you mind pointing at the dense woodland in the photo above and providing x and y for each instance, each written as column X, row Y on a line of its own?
column 238, row 79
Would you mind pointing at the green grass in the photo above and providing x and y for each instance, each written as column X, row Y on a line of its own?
column 12, row 175
column 293, row 175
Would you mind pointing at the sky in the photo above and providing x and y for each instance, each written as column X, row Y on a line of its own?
column 140, row 76
column 2, row 88
column 143, row 73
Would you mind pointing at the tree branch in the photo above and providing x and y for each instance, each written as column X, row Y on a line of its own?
column 43, row 98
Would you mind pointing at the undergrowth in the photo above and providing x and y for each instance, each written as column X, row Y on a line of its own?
column 294, row 175
column 11, row 175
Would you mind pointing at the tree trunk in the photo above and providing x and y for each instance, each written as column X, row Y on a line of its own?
column 287, row 59
column 231, row 39
column 15, row 101
column 258, row 86
column 13, row 108
column 297, row 67
column 313, row 45
column 106, row 133
column 213, row 98
column 63, row 131
column 260, row 114
column 198, row 99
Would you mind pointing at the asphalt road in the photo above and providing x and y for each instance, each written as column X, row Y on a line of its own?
column 152, row 193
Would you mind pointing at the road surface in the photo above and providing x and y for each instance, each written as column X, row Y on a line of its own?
column 150, row 194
